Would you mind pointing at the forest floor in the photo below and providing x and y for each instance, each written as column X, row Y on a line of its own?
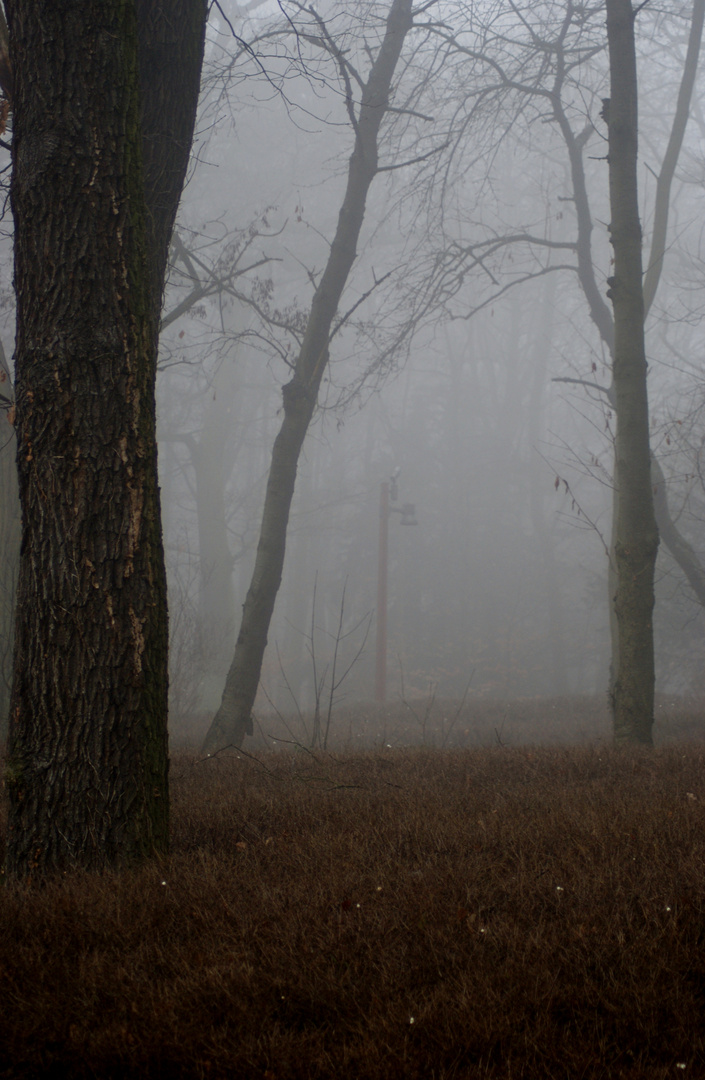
column 443, row 723
column 406, row 912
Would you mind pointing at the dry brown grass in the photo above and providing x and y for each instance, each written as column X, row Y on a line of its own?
column 409, row 913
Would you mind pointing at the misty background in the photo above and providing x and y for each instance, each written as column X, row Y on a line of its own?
column 451, row 365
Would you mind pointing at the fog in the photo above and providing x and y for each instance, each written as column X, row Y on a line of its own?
column 467, row 359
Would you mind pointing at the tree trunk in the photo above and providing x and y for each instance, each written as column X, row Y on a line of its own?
column 637, row 536
column 88, row 764
column 680, row 549
column 233, row 719
column 599, row 311
column 9, row 542
column 171, row 35
column 659, row 231
column 210, row 459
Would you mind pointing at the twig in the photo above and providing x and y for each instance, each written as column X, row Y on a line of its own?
column 458, row 711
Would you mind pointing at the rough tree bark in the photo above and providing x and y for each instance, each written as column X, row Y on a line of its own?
column 636, row 533
column 170, row 44
column 233, row 720
column 87, row 762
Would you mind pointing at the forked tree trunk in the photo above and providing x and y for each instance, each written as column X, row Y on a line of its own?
column 233, row 719
column 87, row 764
column 636, row 533
column 170, row 44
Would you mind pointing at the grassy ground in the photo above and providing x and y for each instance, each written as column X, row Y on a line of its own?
column 446, row 724
column 408, row 912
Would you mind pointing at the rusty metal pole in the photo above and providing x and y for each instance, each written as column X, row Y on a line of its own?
column 381, row 665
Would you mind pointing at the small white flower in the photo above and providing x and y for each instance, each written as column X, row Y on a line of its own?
column 163, row 882
column 668, row 909
column 357, row 905
column 411, row 1019
column 379, row 888
column 559, row 888
column 680, row 1065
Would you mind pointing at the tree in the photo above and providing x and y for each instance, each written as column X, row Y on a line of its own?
column 636, row 535
column 233, row 719
column 544, row 74
column 9, row 500
column 95, row 188
column 211, row 458
column 9, row 539
column 214, row 445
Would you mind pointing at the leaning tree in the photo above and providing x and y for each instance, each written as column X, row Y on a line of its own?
column 300, row 395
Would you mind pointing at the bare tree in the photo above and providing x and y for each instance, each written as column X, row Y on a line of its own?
column 544, row 76
column 636, row 535
column 233, row 719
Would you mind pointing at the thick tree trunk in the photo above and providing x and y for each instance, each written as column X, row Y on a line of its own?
column 637, row 536
column 233, row 719
column 88, row 764
column 170, row 43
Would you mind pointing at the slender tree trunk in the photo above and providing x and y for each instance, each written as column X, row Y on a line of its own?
column 599, row 311
column 88, row 764
column 637, row 536
column 233, row 719
column 211, row 467
column 671, row 537
column 679, row 548
column 9, row 543
column 659, row 231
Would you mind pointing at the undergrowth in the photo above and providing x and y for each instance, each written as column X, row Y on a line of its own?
column 409, row 913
